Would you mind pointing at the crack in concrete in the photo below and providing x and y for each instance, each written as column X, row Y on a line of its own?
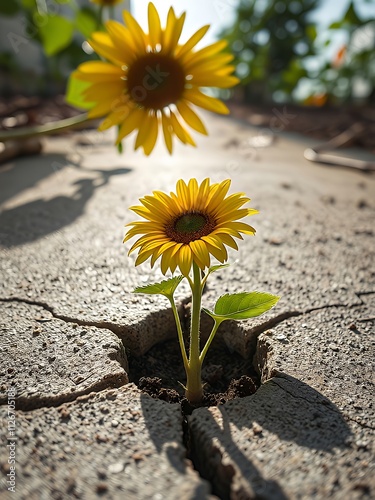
column 120, row 332
column 106, row 384
column 31, row 403
column 295, row 396
column 116, row 329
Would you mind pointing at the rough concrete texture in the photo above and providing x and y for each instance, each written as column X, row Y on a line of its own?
column 63, row 215
column 49, row 361
column 116, row 444
column 309, row 431
column 61, row 218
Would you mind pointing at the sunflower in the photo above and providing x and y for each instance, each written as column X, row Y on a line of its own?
column 151, row 81
column 189, row 226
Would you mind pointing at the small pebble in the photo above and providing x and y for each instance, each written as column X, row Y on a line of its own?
column 101, row 488
column 333, row 347
column 257, row 429
column 116, row 468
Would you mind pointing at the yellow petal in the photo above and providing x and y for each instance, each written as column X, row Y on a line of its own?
column 132, row 122
column 167, row 131
column 180, row 132
column 213, row 80
column 98, row 71
column 100, row 109
column 122, row 39
column 185, row 259
column 136, row 31
column 103, row 45
column 172, row 36
column 205, row 53
column 192, row 42
column 154, row 25
column 200, row 251
column 183, row 194
column 116, row 117
column 99, row 92
column 211, row 63
column 191, row 118
column 143, row 256
column 152, row 135
column 206, row 102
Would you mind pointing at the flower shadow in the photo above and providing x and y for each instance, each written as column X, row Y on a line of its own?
column 35, row 219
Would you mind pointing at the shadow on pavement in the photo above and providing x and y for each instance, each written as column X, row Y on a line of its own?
column 36, row 219
column 222, row 438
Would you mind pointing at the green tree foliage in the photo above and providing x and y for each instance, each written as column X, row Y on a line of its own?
column 350, row 75
column 58, row 26
column 269, row 39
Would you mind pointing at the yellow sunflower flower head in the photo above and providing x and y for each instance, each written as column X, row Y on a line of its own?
column 152, row 81
column 191, row 225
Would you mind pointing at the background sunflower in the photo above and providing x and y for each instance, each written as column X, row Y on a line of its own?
column 150, row 81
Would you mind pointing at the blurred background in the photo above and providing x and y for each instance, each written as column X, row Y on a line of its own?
column 315, row 56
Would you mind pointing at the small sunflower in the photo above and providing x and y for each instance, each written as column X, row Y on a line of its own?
column 189, row 226
column 150, row 81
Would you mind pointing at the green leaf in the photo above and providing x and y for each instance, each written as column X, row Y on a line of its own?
column 351, row 15
column 74, row 93
column 166, row 287
column 28, row 4
column 311, row 32
column 213, row 269
column 56, row 33
column 243, row 305
column 336, row 25
column 86, row 22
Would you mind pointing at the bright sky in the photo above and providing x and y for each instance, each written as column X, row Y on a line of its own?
column 199, row 12
column 220, row 13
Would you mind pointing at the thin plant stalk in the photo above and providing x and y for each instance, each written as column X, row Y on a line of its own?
column 180, row 334
column 194, row 388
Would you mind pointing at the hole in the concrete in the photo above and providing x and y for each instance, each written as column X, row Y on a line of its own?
column 160, row 373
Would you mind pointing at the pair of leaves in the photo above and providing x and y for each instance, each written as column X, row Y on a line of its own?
column 236, row 306
column 168, row 287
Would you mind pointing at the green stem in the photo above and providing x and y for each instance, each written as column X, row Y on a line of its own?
column 48, row 128
column 194, row 388
column 210, row 339
column 180, row 334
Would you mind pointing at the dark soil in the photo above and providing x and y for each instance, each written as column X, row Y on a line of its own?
column 160, row 374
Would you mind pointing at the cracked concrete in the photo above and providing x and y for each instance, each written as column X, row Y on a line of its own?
column 63, row 270
column 119, row 443
column 51, row 362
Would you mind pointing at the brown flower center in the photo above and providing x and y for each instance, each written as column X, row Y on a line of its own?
column 155, row 80
column 189, row 227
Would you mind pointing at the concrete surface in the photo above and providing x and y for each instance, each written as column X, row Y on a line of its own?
column 51, row 361
column 62, row 257
column 116, row 444
column 309, row 430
